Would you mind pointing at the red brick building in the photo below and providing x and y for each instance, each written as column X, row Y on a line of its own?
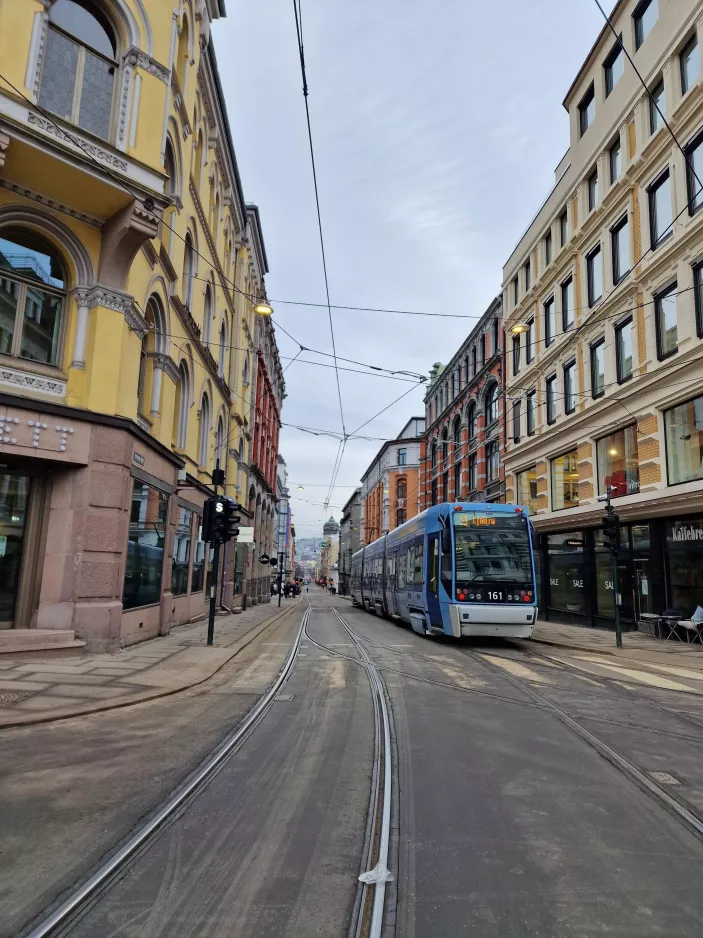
column 461, row 454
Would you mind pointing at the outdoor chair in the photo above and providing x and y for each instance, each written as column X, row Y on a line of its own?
column 693, row 630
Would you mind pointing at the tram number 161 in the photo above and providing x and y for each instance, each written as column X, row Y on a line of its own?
column 495, row 596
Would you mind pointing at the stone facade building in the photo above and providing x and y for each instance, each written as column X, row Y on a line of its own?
column 603, row 311
column 390, row 487
column 349, row 538
column 462, row 447
column 130, row 266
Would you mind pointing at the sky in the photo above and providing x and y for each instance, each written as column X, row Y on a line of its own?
column 437, row 127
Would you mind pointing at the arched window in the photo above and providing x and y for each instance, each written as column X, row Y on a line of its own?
column 204, row 434
column 182, row 55
column 473, row 362
column 173, row 186
column 245, row 371
column 221, row 350
column 220, row 441
column 145, row 373
column 188, row 271
column 198, row 160
column 457, row 481
column 79, row 66
column 216, row 217
column 402, row 489
column 32, row 296
column 492, row 405
column 456, row 435
column 434, row 453
column 471, row 421
column 207, row 316
column 445, row 446
column 180, row 422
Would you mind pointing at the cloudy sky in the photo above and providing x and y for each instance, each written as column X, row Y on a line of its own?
column 437, row 127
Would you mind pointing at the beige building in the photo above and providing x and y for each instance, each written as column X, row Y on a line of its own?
column 603, row 312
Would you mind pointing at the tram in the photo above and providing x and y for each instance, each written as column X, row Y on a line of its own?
column 461, row 569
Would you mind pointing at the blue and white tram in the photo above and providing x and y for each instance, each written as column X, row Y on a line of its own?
column 458, row 569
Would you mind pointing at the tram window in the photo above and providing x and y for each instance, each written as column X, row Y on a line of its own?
column 402, row 559
column 418, row 579
column 446, row 571
column 432, row 565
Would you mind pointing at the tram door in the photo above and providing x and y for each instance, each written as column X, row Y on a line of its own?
column 433, row 608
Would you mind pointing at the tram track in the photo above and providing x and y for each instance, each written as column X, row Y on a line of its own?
column 70, row 910
column 624, row 765
column 370, row 905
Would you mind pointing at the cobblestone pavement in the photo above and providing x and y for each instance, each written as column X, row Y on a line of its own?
column 47, row 688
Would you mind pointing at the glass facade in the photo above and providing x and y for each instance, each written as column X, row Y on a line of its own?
column 567, row 569
column 526, row 484
column 181, row 552
column 145, row 548
column 197, row 578
column 565, row 481
column 14, row 502
column 683, row 427
column 618, row 463
column 684, row 548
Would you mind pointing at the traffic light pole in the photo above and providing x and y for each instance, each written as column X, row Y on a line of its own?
column 213, row 593
column 280, row 577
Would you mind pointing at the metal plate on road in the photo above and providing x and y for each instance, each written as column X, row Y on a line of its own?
column 284, row 698
column 664, row 778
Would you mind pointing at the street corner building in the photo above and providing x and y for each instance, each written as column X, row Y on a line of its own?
column 390, row 487
column 464, row 414
column 603, row 313
column 131, row 356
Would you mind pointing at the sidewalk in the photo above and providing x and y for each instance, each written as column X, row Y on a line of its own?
column 38, row 691
column 636, row 645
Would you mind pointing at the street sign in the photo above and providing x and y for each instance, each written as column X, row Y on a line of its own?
column 246, row 535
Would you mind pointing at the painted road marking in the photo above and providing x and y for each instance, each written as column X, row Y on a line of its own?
column 515, row 668
column 667, row 668
column 336, row 675
column 643, row 677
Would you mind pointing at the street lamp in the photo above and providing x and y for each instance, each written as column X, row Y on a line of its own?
column 519, row 327
column 263, row 309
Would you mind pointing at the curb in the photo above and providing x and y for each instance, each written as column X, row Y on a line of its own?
column 130, row 700
column 613, row 652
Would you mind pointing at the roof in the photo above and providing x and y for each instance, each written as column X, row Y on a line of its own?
column 589, row 58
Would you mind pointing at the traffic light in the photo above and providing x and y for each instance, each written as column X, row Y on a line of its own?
column 611, row 531
column 232, row 520
column 214, row 515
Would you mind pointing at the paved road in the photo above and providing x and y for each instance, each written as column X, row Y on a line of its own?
column 508, row 822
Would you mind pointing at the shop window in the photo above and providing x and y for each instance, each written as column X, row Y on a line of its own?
column 684, row 441
column 565, row 481
column 79, row 66
column 684, row 543
column 526, row 484
column 603, row 569
column 568, row 572
column 145, row 548
column 32, row 297
column 181, row 552
column 197, row 578
column 618, row 463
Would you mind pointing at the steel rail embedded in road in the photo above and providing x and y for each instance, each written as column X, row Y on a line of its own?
column 616, row 758
column 62, row 915
column 381, row 867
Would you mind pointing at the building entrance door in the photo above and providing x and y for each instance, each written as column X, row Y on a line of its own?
column 14, row 503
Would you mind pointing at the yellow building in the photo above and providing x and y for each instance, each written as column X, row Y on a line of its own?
column 128, row 257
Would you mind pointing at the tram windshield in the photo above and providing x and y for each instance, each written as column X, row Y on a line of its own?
column 492, row 549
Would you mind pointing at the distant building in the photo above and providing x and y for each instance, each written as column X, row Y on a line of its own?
column 349, row 538
column 329, row 553
column 390, row 487
column 465, row 425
